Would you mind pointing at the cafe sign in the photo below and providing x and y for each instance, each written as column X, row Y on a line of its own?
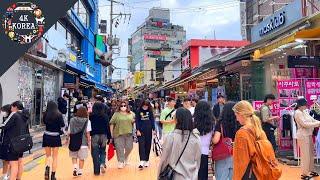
column 274, row 23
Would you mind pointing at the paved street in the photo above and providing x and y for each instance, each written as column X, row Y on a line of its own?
column 36, row 169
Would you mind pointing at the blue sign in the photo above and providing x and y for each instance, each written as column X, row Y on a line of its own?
column 279, row 20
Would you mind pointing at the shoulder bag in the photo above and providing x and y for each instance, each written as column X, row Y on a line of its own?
column 76, row 139
column 23, row 142
column 168, row 172
column 223, row 149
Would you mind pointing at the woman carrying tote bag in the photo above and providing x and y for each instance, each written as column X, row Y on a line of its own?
column 181, row 156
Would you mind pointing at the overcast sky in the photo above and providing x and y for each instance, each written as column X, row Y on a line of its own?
column 200, row 18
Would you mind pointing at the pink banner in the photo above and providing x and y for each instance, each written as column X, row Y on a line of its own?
column 155, row 37
column 288, row 84
column 274, row 108
column 312, row 89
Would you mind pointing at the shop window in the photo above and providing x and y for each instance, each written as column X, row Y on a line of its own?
column 82, row 13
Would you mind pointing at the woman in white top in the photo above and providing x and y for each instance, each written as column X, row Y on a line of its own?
column 203, row 121
column 305, row 124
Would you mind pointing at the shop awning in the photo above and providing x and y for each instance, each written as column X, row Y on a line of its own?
column 294, row 38
column 86, row 82
column 103, row 87
column 308, row 34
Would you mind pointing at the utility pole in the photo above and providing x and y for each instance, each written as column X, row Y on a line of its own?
column 110, row 46
column 112, row 40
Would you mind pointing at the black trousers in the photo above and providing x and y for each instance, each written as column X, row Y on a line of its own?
column 203, row 171
column 145, row 141
column 269, row 130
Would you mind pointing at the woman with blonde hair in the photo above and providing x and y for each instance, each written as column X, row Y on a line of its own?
column 245, row 154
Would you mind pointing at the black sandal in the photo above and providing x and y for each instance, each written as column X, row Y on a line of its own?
column 314, row 174
column 304, row 177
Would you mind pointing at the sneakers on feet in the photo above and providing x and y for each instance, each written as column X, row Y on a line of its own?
column 79, row 173
column 6, row 177
column 75, row 172
column 103, row 168
column 141, row 165
column 146, row 164
column 120, row 165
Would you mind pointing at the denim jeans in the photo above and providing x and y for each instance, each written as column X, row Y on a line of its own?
column 224, row 168
column 158, row 128
column 98, row 151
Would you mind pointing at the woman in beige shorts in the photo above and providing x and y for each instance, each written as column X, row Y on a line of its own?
column 76, row 125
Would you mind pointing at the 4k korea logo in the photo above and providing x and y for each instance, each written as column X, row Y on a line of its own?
column 23, row 22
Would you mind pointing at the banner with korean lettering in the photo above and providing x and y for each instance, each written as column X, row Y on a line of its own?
column 288, row 92
column 312, row 91
column 274, row 108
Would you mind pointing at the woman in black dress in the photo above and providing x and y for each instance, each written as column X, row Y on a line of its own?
column 53, row 121
column 14, row 126
column 5, row 112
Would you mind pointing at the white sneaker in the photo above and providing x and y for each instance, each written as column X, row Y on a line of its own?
column 126, row 163
column 141, row 164
column 103, row 168
column 146, row 164
column 120, row 165
column 6, row 177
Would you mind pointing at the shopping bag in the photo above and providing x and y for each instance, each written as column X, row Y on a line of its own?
column 110, row 151
column 157, row 147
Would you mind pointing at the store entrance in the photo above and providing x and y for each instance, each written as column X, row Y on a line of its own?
column 38, row 103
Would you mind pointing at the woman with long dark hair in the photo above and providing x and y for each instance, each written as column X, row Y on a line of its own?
column 227, row 125
column 121, row 126
column 184, row 141
column 203, row 120
column 145, row 126
column 53, row 121
column 157, row 113
column 100, row 134
column 5, row 112
column 15, row 125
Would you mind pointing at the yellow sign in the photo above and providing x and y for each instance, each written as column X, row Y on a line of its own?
column 72, row 57
column 138, row 76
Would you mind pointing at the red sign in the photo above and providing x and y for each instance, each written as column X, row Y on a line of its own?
column 155, row 37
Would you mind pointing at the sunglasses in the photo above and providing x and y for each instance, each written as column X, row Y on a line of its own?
column 123, row 106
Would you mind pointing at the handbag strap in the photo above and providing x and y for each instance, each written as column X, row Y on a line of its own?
column 221, row 128
column 183, row 149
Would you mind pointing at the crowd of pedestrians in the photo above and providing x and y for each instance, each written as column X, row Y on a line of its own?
column 239, row 139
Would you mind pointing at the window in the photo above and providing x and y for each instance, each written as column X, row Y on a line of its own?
column 61, row 29
column 82, row 13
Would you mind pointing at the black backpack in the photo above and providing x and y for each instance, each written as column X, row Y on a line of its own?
column 76, row 139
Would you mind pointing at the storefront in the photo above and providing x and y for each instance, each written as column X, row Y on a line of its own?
column 38, row 83
column 288, row 57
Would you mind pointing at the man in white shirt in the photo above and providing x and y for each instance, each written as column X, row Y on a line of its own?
column 187, row 105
